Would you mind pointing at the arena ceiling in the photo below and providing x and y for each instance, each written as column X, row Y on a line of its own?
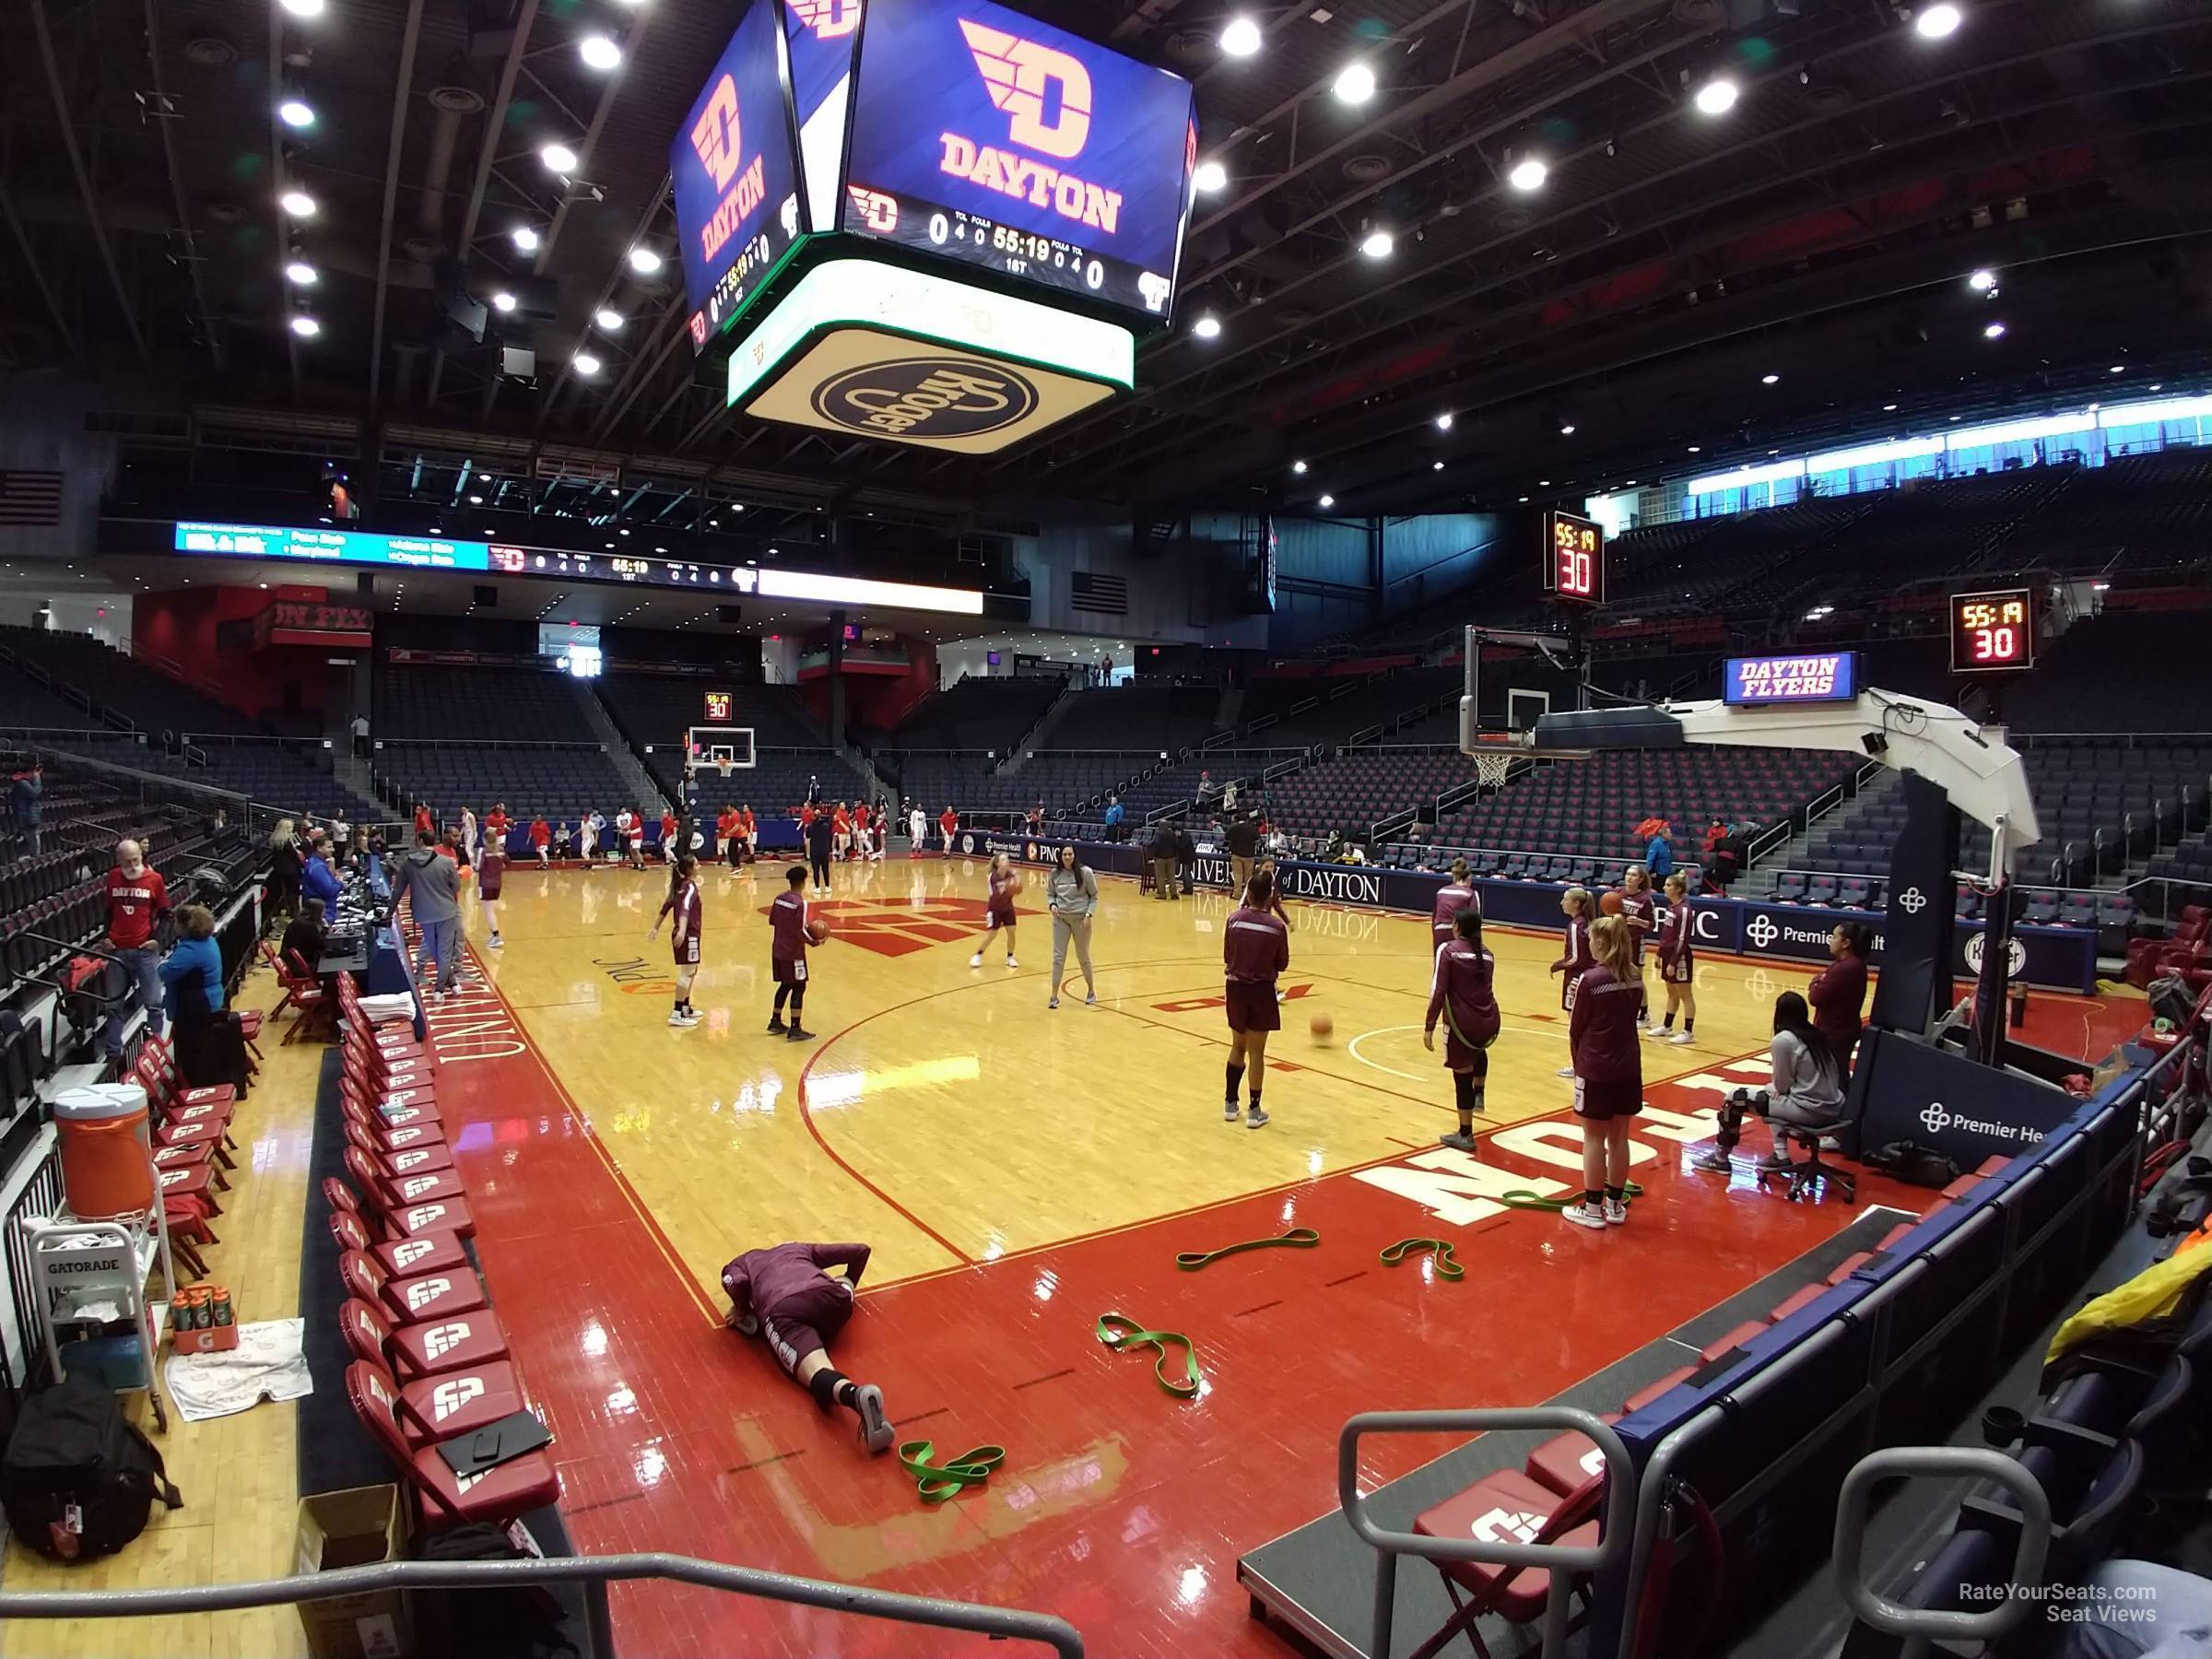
column 1820, row 231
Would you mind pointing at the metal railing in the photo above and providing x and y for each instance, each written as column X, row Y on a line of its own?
column 1561, row 1560
column 999, row 1623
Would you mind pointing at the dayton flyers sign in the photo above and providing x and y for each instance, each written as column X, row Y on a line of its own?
column 985, row 137
column 733, row 171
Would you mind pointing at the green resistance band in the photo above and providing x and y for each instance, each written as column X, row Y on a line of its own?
column 1521, row 1198
column 1447, row 1263
column 936, row 1482
column 1121, row 1334
column 1298, row 1238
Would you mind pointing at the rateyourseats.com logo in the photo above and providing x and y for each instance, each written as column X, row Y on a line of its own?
column 924, row 399
column 1936, row 1117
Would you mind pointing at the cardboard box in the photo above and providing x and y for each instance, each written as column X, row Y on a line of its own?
column 359, row 1527
column 215, row 1340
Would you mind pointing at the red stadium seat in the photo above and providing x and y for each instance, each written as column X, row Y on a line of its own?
column 498, row 1495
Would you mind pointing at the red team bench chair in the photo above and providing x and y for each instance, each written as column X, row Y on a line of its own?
column 398, row 1258
column 409, row 1221
column 408, row 1158
column 427, row 1299
column 435, row 1404
column 463, row 1343
column 445, row 1500
column 1510, row 1507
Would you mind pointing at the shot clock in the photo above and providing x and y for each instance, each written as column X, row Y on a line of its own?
column 1575, row 558
column 1994, row 631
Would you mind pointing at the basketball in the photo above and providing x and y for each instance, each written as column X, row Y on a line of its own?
column 1610, row 904
column 818, row 929
column 1019, row 882
column 1322, row 1025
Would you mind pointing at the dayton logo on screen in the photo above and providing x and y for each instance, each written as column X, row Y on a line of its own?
column 1046, row 96
column 830, row 19
column 923, row 398
column 1783, row 679
column 718, row 138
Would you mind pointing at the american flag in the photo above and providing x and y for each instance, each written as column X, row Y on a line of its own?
column 30, row 497
column 1106, row 594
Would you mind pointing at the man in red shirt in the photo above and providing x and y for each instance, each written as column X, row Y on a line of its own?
column 669, row 850
column 748, row 827
column 840, row 834
column 136, row 899
column 948, row 822
column 541, row 838
column 725, row 834
column 496, row 821
column 424, row 819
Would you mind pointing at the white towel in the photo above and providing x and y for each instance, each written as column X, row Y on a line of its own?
column 267, row 1364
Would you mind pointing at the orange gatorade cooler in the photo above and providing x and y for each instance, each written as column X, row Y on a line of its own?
column 105, row 1170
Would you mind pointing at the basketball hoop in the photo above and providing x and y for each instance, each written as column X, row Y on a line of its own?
column 722, row 765
column 1491, row 770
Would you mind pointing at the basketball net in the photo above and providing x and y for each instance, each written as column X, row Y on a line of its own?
column 1491, row 770
column 722, row 765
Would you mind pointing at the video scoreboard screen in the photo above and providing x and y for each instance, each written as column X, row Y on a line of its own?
column 987, row 138
column 1575, row 558
column 1994, row 631
column 1802, row 677
column 734, row 174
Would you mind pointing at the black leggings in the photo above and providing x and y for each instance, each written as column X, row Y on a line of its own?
column 820, row 865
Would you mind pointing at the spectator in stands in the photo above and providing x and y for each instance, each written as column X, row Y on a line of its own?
column 1114, row 831
column 1659, row 854
column 317, row 879
column 304, row 937
column 1244, row 838
column 24, row 792
column 362, row 849
column 210, row 1049
column 1807, row 1088
column 1839, row 991
column 284, row 868
column 361, row 736
column 138, row 900
column 435, row 882
column 814, row 790
column 1608, row 1072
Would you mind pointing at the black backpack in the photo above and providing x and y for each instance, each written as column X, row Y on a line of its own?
column 1914, row 1164
column 78, row 1480
column 504, row 1621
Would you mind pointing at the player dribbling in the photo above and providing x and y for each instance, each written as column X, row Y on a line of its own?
column 1004, row 883
column 683, row 903
column 790, row 939
column 1256, row 949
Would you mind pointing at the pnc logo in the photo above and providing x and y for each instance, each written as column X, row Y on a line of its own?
column 717, row 136
column 449, row 1397
column 925, row 399
column 829, row 19
column 1020, row 76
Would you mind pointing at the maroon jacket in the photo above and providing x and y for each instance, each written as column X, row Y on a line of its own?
column 1450, row 899
column 760, row 1279
column 787, row 926
column 1673, row 933
column 1602, row 1031
column 1256, row 946
column 1576, row 961
column 1837, row 994
column 1462, row 987
column 1640, row 906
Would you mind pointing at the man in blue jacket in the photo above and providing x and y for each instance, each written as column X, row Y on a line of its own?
column 23, row 802
column 1114, row 818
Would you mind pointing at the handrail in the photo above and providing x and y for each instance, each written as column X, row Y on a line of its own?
column 1562, row 1561
column 1000, row 1623
column 1923, row 1624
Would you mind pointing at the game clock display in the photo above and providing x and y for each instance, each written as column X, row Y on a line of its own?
column 1575, row 558
column 988, row 137
column 1992, row 632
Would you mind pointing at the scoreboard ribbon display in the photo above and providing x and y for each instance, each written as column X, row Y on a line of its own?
column 734, row 173
column 985, row 136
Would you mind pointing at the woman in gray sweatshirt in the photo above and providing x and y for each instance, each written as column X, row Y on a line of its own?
column 1071, row 892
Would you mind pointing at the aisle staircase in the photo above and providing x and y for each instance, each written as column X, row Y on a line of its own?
column 628, row 762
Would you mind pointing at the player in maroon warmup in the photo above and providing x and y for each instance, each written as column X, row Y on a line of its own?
column 1677, row 966
column 1461, row 996
column 787, row 1296
column 1576, row 959
column 1640, row 909
column 1255, row 947
column 1608, row 1072
column 787, row 928
column 1006, row 881
column 683, row 903
column 1454, row 896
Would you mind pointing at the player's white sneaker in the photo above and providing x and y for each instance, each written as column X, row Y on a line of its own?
column 1616, row 1213
column 976, row 961
column 498, row 943
column 1566, row 1071
column 1011, row 962
column 1681, row 1038
column 1647, row 1032
column 1584, row 1215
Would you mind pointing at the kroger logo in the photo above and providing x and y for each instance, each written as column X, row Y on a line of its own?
column 1022, row 76
column 2016, row 954
column 1936, row 1117
column 924, row 399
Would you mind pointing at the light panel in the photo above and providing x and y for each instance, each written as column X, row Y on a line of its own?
column 2021, row 432
column 1743, row 478
column 1873, row 454
column 2158, row 411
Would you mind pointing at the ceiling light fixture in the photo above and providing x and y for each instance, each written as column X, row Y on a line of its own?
column 1982, row 281
column 1376, row 244
column 1717, row 96
column 1355, row 83
column 608, row 319
column 1934, row 22
column 1299, row 467
column 475, row 500
column 297, row 203
column 1443, row 421
column 599, row 52
column 2119, row 369
column 1209, row 176
column 1328, row 500
column 1994, row 331
column 1888, row 408
column 524, row 238
column 306, row 327
column 559, row 157
column 299, row 274
column 296, row 112
column 1527, row 175
column 643, row 260
column 503, row 301
column 1207, row 326
column 1436, row 466
column 1567, row 430
column 304, row 9
column 586, row 364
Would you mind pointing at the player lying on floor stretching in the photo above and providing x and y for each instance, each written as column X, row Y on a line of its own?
column 787, row 1296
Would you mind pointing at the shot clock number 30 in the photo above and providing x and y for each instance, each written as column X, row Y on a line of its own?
column 1575, row 558
column 1993, row 632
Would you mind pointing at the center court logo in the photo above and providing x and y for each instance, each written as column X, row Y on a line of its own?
column 925, row 399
